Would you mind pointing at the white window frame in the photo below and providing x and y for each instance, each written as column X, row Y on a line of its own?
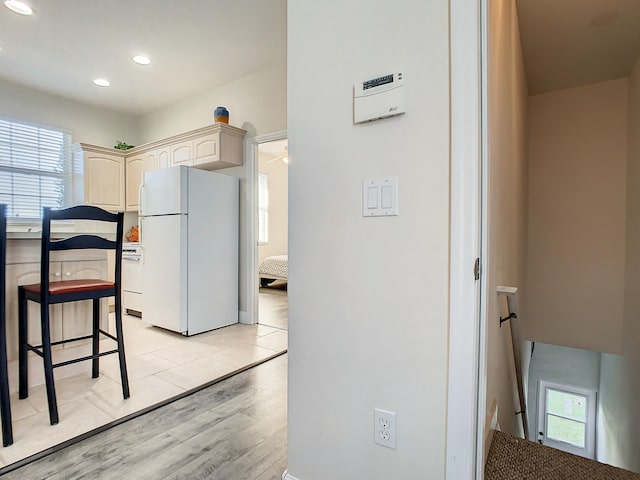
column 65, row 175
column 589, row 449
column 263, row 209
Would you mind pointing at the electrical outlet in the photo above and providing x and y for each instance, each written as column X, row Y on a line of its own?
column 384, row 428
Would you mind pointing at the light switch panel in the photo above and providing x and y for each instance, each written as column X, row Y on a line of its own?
column 380, row 197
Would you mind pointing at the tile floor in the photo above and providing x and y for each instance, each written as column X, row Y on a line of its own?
column 161, row 364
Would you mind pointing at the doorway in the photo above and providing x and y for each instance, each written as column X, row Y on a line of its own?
column 272, row 233
column 543, row 133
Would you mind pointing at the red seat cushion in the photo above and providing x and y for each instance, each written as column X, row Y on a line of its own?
column 72, row 286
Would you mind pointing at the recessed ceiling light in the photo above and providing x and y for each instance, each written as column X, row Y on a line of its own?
column 102, row 82
column 141, row 60
column 19, row 7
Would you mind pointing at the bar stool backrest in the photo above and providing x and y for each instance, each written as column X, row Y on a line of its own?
column 79, row 241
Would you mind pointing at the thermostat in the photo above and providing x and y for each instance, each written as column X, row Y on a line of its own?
column 378, row 97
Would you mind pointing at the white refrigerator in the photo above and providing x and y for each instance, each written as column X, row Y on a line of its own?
column 189, row 222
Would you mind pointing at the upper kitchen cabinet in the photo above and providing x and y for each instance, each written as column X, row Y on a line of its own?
column 111, row 178
column 181, row 153
column 136, row 166
column 162, row 157
column 98, row 177
column 209, row 148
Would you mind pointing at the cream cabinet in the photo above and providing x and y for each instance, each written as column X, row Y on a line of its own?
column 99, row 177
column 69, row 320
column 182, row 153
column 162, row 157
column 77, row 316
column 135, row 167
column 111, row 178
column 210, row 148
column 25, row 274
column 206, row 150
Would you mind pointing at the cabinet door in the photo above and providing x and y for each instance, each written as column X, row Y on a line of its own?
column 104, row 181
column 25, row 274
column 77, row 316
column 206, row 150
column 136, row 167
column 181, row 153
column 163, row 155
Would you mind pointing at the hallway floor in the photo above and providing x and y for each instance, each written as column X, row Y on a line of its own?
column 512, row 458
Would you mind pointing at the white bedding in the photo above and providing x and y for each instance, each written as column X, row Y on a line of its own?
column 276, row 267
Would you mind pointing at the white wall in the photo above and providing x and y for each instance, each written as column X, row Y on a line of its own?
column 87, row 123
column 507, row 204
column 562, row 365
column 368, row 315
column 256, row 103
column 277, row 173
column 576, row 253
column 619, row 440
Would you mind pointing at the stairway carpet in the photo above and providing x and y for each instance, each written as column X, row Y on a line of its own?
column 512, row 458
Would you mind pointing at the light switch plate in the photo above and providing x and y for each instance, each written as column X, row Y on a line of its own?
column 380, row 197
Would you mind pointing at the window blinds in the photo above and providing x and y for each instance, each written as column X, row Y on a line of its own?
column 34, row 168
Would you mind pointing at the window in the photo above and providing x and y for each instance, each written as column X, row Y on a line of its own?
column 566, row 418
column 263, row 208
column 34, row 168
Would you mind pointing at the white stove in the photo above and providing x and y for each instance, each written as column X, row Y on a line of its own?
column 132, row 278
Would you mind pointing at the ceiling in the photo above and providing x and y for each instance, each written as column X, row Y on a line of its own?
column 272, row 149
column 269, row 151
column 194, row 45
column 568, row 43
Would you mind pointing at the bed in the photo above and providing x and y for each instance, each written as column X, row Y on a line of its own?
column 274, row 268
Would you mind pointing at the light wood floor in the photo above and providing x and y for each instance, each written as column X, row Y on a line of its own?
column 233, row 430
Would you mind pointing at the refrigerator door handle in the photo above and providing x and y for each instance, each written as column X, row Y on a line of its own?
column 141, row 221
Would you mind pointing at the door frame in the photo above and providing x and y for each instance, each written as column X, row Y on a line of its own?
column 467, row 373
column 251, row 221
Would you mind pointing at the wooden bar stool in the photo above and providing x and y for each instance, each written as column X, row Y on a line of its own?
column 49, row 293
column 5, row 403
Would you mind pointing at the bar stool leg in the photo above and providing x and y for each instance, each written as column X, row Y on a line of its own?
column 123, row 364
column 95, row 371
column 48, row 364
column 23, row 370
column 5, row 401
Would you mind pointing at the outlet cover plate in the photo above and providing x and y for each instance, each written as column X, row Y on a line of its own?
column 384, row 428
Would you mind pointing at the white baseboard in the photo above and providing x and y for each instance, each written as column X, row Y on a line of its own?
column 243, row 317
column 286, row 476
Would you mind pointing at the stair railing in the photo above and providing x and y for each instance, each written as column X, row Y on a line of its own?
column 511, row 294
